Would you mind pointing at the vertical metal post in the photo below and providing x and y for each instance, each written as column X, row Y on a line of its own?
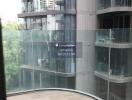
column 109, row 72
column 2, row 70
column 33, row 80
column 112, row 3
column 41, row 23
column 19, row 80
column 109, row 69
column 54, row 5
column 40, row 79
column 110, row 35
column 24, row 81
column 33, row 71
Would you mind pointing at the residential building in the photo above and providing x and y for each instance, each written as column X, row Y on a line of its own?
column 113, row 49
column 102, row 64
column 47, row 27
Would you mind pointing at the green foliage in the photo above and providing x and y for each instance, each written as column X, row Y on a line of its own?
column 12, row 50
column 13, row 26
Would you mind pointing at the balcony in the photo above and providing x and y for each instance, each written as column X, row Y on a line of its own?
column 41, row 52
column 30, row 6
column 116, row 70
column 38, row 59
column 114, row 38
column 114, row 91
column 107, row 6
column 113, row 64
column 29, row 9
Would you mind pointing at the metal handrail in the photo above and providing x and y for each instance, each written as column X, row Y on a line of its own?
column 52, row 89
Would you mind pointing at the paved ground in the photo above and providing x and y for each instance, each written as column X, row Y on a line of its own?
column 50, row 95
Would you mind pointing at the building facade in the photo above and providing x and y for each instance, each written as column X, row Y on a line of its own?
column 113, row 59
column 101, row 65
column 48, row 24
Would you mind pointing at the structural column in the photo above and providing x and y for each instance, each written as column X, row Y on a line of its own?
column 86, row 26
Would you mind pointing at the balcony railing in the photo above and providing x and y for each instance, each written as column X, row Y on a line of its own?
column 114, row 36
column 31, row 62
column 116, row 70
column 40, row 50
column 114, row 97
column 113, row 61
column 30, row 7
column 103, row 4
column 56, row 5
column 35, row 59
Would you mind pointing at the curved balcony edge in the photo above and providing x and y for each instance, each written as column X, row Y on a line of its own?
column 65, row 74
column 44, row 13
column 114, row 45
column 53, row 89
column 113, row 78
column 114, row 9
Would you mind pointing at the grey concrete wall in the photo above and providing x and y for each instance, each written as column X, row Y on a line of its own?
column 86, row 21
column 86, row 14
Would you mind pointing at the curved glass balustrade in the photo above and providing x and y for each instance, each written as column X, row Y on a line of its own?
column 37, row 59
column 113, row 61
column 107, row 36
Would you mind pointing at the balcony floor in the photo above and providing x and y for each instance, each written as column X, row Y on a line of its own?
column 50, row 95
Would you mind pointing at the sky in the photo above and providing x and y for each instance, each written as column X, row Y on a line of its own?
column 9, row 10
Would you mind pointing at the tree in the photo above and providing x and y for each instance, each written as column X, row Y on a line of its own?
column 13, row 26
column 12, row 50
